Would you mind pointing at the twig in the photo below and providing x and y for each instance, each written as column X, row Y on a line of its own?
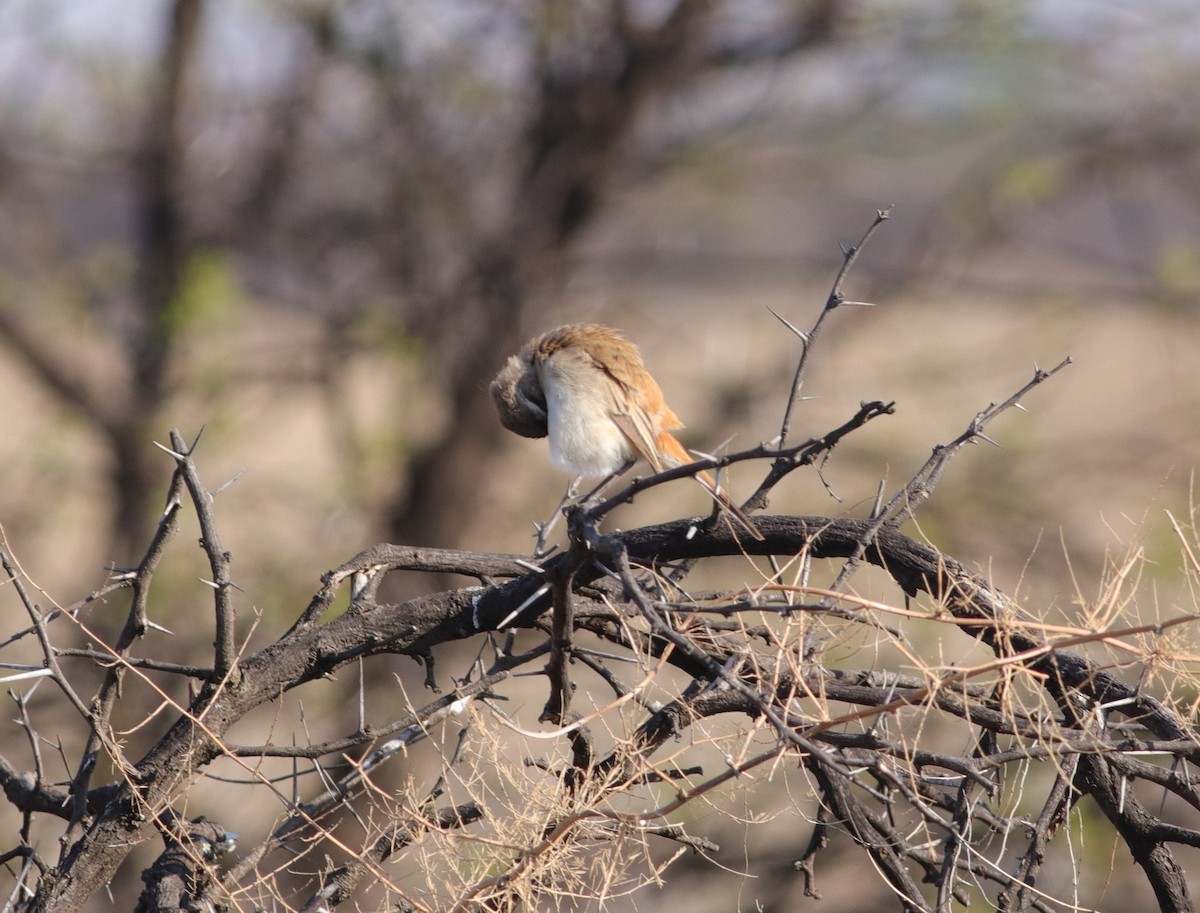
column 125, row 581
column 339, row 883
column 613, row 553
column 411, row 730
column 15, row 577
column 1054, row 812
column 835, row 299
column 225, row 646
column 786, row 460
column 562, row 631
column 905, row 502
column 453, row 703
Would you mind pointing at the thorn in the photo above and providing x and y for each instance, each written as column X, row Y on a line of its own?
column 165, row 449
column 217, row 586
column 803, row 336
column 155, row 626
column 725, row 443
column 878, row 508
column 225, row 485
column 531, row 566
column 606, row 571
column 1019, row 406
column 982, row 436
column 857, row 304
column 38, row 672
column 538, row 594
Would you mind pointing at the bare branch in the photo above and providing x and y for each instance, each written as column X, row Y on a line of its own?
column 835, row 299
column 225, row 656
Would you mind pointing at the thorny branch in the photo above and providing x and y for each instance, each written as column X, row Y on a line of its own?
column 218, row 559
column 905, row 502
column 835, row 300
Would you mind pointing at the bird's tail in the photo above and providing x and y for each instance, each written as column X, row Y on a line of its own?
column 711, row 486
column 676, row 453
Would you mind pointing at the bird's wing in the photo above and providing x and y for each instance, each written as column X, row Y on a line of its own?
column 636, row 425
column 634, row 399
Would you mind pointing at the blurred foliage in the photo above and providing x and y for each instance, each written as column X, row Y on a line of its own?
column 1179, row 272
column 208, row 293
column 1030, row 182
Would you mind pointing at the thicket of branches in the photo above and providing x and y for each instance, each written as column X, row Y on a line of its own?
column 958, row 781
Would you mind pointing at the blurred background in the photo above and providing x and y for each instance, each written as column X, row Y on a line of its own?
column 316, row 229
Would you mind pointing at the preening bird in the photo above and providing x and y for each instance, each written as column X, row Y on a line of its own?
column 587, row 389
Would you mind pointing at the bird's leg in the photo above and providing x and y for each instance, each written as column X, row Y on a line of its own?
column 605, row 482
column 543, row 529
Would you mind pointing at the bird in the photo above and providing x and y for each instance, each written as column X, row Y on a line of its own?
column 586, row 388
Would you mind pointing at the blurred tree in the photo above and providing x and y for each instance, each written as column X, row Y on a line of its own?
column 124, row 412
column 484, row 140
column 417, row 174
